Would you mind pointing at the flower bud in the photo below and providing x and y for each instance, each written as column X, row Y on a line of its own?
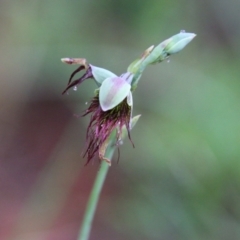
column 177, row 42
column 168, row 47
column 157, row 55
column 134, row 66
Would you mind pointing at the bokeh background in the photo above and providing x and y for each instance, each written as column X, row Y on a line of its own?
column 181, row 181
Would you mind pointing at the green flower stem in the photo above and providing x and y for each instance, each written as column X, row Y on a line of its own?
column 98, row 184
column 94, row 196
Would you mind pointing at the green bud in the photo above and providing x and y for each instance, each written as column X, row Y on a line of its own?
column 168, row 47
column 113, row 91
column 154, row 56
column 157, row 55
column 161, row 52
column 100, row 74
column 178, row 42
column 134, row 66
column 137, row 67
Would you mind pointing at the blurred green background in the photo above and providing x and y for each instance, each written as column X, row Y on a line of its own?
column 181, row 181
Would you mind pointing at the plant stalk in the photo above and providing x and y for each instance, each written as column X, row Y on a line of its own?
column 94, row 197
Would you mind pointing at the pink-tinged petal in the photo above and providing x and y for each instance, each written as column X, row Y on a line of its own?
column 112, row 92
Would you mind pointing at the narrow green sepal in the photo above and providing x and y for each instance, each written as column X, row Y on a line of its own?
column 133, row 122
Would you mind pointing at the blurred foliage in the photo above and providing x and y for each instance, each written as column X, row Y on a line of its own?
column 182, row 180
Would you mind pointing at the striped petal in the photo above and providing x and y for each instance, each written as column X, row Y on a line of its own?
column 112, row 92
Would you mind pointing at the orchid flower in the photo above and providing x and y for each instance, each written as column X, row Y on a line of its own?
column 111, row 107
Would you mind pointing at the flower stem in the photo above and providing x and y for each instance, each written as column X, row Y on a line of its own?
column 98, row 184
column 94, row 196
